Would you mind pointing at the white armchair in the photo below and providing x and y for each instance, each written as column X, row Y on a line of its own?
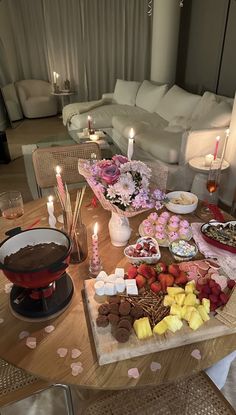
column 36, row 99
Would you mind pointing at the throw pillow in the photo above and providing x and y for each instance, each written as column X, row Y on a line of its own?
column 178, row 124
column 219, row 117
column 177, row 102
column 125, row 92
column 149, row 95
column 207, row 104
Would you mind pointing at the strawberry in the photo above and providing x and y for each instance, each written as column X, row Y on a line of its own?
column 140, row 281
column 146, row 270
column 231, row 284
column 139, row 247
column 132, row 272
column 182, row 279
column 224, row 297
column 174, row 270
column 206, row 289
column 153, row 250
column 156, row 287
column 166, row 280
column 216, row 290
column 161, row 267
column 213, row 298
column 151, row 280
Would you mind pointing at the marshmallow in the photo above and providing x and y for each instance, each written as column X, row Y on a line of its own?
column 132, row 290
column 99, row 287
column 131, row 282
column 109, row 288
column 111, row 278
column 101, row 276
column 120, row 285
column 120, row 272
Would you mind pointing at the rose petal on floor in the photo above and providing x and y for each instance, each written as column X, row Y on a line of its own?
column 8, row 287
column 154, row 366
column 133, row 373
column 31, row 342
column 75, row 353
column 76, row 370
column 196, row 354
column 1, row 320
column 75, row 365
column 23, row 334
column 62, row 351
column 49, row 329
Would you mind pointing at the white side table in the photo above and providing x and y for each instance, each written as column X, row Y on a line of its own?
column 200, row 179
column 65, row 96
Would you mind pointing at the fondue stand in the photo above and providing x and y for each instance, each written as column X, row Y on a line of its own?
column 73, row 329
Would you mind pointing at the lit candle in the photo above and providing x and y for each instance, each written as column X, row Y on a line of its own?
column 209, row 159
column 60, row 183
column 130, row 144
column 95, row 257
column 89, row 122
column 50, row 207
column 54, row 77
column 216, row 146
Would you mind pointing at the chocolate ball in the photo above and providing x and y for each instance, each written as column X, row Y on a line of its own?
column 113, row 319
column 104, row 309
column 124, row 308
column 121, row 335
column 102, row 321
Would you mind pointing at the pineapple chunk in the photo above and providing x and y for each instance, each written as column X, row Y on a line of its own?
column 190, row 299
column 172, row 291
column 160, row 328
column 190, row 287
column 168, row 300
column 202, row 311
column 142, row 328
column 189, row 308
column 173, row 323
column 206, row 304
column 179, row 298
column 183, row 311
column 176, row 310
column 195, row 320
column 197, row 301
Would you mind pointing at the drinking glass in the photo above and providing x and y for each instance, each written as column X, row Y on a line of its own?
column 11, row 205
column 213, row 178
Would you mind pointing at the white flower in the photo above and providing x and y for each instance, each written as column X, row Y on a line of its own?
column 125, row 200
column 111, row 192
column 125, row 185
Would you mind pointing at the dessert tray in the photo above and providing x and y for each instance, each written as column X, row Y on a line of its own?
column 164, row 245
column 220, row 234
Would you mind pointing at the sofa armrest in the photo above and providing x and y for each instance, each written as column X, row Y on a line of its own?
column 108, row 96
column 196, row 143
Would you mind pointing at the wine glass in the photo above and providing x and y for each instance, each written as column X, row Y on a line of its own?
column 213, row 178
column 11, row 205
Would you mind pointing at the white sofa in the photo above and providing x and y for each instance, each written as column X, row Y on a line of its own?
column 171, row 125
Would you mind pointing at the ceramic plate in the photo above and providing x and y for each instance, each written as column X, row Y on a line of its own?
column 142, row 233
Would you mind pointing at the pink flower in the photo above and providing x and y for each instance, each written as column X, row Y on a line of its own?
column 104, row 163
column 118, row 159
column 110, row 174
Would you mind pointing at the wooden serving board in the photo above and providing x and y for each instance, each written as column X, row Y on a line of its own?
column 109, row 350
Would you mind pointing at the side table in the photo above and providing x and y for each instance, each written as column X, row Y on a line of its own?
column 200, row 179
column 65, row 96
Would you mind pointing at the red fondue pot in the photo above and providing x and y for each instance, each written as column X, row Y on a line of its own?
column 40, row 276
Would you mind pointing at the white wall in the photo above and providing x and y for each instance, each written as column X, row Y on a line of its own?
column 165, row 36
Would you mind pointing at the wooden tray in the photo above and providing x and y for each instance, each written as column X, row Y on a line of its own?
column 109, row 350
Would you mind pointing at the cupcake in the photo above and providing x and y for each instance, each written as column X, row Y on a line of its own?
column 173, row 226
column 165, row 215
column 184, row 233
column 173, row 236
column 162, row 221
column 149, row 230
column 174, row 218
column 184, row 224
column 147, row 223
column 160, row 228
column 161, row 238
column 153, row 217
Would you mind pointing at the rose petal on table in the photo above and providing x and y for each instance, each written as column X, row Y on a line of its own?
column 8, row 287
column 95, row 216
column 75, row 353
column 90, row 208
column 23, row 334
column 1, row 320
column 154, row 366
column 133, row 373
column 196, row 354
column 76, row 364
column 31, row 342
column 49, row 329
column 62, row 351
column 76, row 370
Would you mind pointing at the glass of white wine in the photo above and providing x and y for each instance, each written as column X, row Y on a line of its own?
column 11, row 205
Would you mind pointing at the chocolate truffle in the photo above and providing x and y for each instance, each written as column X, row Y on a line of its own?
column 113, row 319
column 121, row 335
column 114, row 308
column 125, row 324
column 114, row 299
column 136, row 312
column 129, row 318
column 124, row 308
column 102, row 321
column 104, row 309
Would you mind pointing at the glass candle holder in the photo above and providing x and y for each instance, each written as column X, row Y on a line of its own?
column 78, row 237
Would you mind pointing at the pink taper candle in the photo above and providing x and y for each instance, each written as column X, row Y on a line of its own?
column 216, row 147
column 95, row 257
column 60, row 183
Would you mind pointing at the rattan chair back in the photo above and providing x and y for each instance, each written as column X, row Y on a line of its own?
column 46, row 159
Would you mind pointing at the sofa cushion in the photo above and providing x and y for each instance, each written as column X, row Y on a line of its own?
column 139, row 122
column 149, row 95
column 177, row 102
column 125, row 92
column 178, row 124
column 161, row 144
column 219, row 116
column 209, row 105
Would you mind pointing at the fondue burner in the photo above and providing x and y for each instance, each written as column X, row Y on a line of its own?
column 42, row 303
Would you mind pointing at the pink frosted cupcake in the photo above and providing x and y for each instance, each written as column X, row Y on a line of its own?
column 173, row 236
column 153, row 217
column 146, row 222
column 160, row 228
column 161, row 238
column 184, row 233
column 162, row 221
column 184, row 224
column 165, row 215
column 173, row 226
column 174, row 218
column 149, row 230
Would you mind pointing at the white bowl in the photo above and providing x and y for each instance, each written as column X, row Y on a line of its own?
column 181, row 208
column 143, row 260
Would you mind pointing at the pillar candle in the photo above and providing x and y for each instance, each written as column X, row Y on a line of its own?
column 209, row 159
column 50, row 207
column 95, row 257
column 216, row 146
column 130, row 144
column 60, row 184
column 54, row 77
column 89, row 122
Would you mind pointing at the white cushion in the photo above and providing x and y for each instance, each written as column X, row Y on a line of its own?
column 177, row 102
column 178, row 124
column 207, row 104
column 149, row 95
column 125, row 92
column 218, row 116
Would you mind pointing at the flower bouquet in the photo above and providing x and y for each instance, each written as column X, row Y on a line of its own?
column 122, row 187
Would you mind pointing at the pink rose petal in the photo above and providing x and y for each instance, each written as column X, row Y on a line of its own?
column 76, row 370
column 75, row 353
column 62, row 351
column 154, row 366
column 23, row 334
column 1, row 320
column 196, row 354
column 75, row 365
column 49, row 329
column 133, row 373
column 31, row 342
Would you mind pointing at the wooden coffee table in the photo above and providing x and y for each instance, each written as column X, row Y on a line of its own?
column 72, row 328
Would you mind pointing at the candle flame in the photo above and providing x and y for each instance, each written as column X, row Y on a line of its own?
column 89, row 117
column 227, row 131
column 95, row 231
column 58, row 169
column 131, row 134
column 57, row 75
column 50, row 198
column 218, row 138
